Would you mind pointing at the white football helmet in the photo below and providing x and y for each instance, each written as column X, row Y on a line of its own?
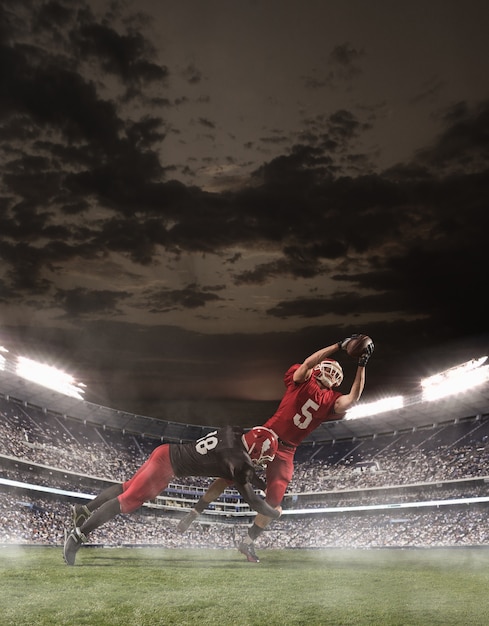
column 329, row 372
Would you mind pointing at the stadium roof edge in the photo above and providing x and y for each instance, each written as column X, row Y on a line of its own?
column 416, row 414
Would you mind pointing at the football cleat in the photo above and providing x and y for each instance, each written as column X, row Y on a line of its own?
column 249, row 551
column 73, row 542
column 79, row 514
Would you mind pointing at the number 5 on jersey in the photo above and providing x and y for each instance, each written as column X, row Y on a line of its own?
column 303, row 419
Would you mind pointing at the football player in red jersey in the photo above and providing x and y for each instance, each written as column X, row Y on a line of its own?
column 228, row 452
column 310, row 399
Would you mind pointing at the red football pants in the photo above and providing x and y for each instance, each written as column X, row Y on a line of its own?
column 149, row 481
column 279, row 474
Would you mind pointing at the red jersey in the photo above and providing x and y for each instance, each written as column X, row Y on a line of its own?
column 303, row 408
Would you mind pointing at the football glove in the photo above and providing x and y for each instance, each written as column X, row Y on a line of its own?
column 259, row 483
column 367, row 353
column 344, row 342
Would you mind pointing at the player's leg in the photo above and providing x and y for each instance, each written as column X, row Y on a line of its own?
column 247, row 546
column 213, row 492
column 279, row 475
column 78, row 536
column 151, row 478
column 86, row 518
column 81, row 512
column 107, row 494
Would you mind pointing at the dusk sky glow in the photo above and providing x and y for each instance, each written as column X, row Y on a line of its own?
column 196, row 195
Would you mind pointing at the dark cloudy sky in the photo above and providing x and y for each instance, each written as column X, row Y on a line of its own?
column 196, row 194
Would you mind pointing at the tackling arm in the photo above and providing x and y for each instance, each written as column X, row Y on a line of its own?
column 255, row 501
column 212, row 493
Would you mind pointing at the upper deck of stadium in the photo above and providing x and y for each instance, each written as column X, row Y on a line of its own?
column 180, row 420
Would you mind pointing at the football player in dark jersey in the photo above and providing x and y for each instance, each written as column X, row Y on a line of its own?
column 311, row 398
column 229, row 452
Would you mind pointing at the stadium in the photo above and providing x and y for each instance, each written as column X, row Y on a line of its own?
column 403, row 473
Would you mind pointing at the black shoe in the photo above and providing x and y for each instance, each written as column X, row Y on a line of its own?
column 185, row 523
column 79, row 514
column 73, row 542
column 249, row 551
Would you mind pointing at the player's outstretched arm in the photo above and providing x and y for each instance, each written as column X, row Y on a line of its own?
column 347, row 401
column 213, row 492
column 303, row 372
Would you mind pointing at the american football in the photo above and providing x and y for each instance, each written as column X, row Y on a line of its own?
column 356, row 346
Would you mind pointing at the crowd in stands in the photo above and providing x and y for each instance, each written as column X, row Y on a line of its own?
column 70, row 445
column 25, row 520
column 452, row 461
column 418, row 466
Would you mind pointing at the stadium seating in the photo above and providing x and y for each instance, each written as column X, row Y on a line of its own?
column 423, row 487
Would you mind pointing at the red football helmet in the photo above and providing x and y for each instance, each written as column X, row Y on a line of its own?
column 329, row 372
column 261, row 444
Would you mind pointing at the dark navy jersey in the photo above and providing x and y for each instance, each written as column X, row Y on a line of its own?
column 221, row 454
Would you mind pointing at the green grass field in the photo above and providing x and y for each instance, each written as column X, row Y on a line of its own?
column 151, row 586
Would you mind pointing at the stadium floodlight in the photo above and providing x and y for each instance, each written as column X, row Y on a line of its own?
column 455, row 380
column 48, row 376
column 3, row 360
column 373, row 408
